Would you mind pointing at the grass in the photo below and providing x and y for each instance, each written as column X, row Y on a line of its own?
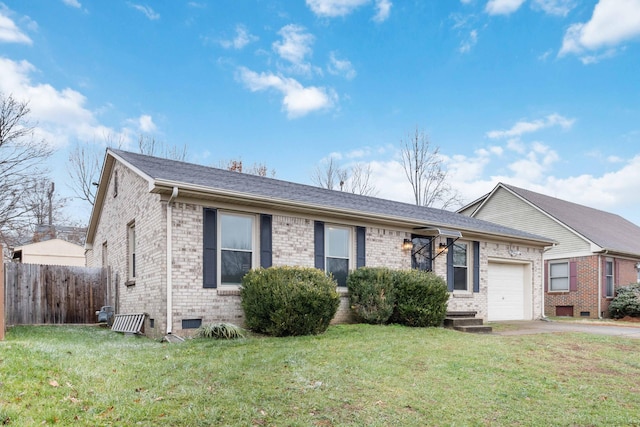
column 353, row 375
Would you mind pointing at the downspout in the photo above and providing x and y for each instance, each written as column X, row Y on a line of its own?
column 174, row 194
column 544, row 267
column 600, row 284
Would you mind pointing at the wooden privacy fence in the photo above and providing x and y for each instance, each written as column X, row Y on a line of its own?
column 51, row 294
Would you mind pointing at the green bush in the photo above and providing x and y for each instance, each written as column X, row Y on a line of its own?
column 371, row 294
column 226, row 331
column 421, row 298
column 626, row 302
column 287, row 301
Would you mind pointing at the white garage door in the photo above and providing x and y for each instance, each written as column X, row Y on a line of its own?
column 506, row 292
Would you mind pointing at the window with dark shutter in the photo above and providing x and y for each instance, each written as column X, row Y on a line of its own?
column 266, row 255
column 361, row 238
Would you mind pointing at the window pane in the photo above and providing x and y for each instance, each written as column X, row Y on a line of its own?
column 609, row 268
column 460, row 254
column 459, row 278
column 559, row 284
column 339, row 268
column 236, row 232
column 559, row 269
column 337, row 242
column 234, row 266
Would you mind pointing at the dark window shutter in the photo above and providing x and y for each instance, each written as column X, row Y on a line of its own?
column 573, row 276
column 546, row 267
column 318, row 244
column 209, row 256
column 361, row 238
column 616, row 273
column 604, row 277
column 476, row 266
column 266, row 255
column 450, row 265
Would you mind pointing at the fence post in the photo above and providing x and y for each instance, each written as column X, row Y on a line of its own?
column 2, row 313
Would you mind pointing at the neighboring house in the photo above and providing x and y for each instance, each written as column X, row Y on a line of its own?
column 179, row 237
column 50, row 252
column 596, row 251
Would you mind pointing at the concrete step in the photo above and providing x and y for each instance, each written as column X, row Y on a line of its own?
column 461, row 314
column 452, row 322
column 474, row 329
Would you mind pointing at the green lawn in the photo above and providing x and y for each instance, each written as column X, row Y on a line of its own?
column 353, row 375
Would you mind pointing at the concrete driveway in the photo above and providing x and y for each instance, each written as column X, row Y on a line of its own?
column 544, row 326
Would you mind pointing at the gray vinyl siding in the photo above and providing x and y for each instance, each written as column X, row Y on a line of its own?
column 508, row 210
column 468, row 210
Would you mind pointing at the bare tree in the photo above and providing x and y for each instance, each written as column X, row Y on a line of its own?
column 355, row 179
column 423, row 167
column 85, row 162
column 21, row 158
column 259, row 169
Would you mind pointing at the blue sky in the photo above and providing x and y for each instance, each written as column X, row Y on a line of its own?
column 541, row 94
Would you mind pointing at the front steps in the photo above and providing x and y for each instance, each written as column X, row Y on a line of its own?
column 466, row 321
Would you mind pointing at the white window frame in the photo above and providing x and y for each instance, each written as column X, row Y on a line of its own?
column 254, row 244
column 132, row 265
column 468, row 266
column 609, row 278
column 327, row 256
column 551, row 277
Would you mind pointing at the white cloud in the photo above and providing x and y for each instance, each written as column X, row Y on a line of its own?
column 146, row 124
column 467, row 44
column 297, row 100
column 555, row 7
column 341, row 67
column 147, row 10
column 336, row 8
column 72, row 3
column 523, row 127
column 61, row 115
column 384, row 9
column 294, row 47
column 9, row 31
column 612, row 23
column 242, row 38
column 502, row 7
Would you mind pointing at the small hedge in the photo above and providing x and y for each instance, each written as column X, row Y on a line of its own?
column 626, row 302
column 421, row 298
column 371, row 294
column 220, row 331
column 407, row 297
column 288, row 301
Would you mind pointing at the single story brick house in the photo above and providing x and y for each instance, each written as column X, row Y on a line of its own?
column 178, row 238
column 596, row 251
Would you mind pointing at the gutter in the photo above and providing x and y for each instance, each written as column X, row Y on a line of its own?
column 174, row 194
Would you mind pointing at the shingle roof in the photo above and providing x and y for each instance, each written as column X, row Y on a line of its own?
column 251, row 185
column 605, row 229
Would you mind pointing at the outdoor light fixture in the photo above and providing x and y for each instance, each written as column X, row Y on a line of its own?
column 407, row 245
column 443, row 248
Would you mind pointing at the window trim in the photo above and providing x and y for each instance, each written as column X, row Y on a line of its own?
column 568, row 276
column 607, row 277
column 349, row 258
column 255, row 246
column 132, row 265
column 469, row 262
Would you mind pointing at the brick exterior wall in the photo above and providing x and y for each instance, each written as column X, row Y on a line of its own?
column 589, row 287
column 292, row 244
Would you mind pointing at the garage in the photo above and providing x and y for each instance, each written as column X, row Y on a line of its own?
column 509, row 297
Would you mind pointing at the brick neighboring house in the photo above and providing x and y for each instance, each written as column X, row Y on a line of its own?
column 596, row 252
column 179, row 237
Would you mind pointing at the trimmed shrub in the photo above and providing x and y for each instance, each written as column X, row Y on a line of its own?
column 371, row 294
column 421, row 298
column 226, row 331
column 288, row 301
column 626, row 302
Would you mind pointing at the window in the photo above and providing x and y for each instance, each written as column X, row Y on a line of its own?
column 337, row 242
column 236, row 247
column 460, row 263
column 131, row 237
column 608, row 277
column 558, row 276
